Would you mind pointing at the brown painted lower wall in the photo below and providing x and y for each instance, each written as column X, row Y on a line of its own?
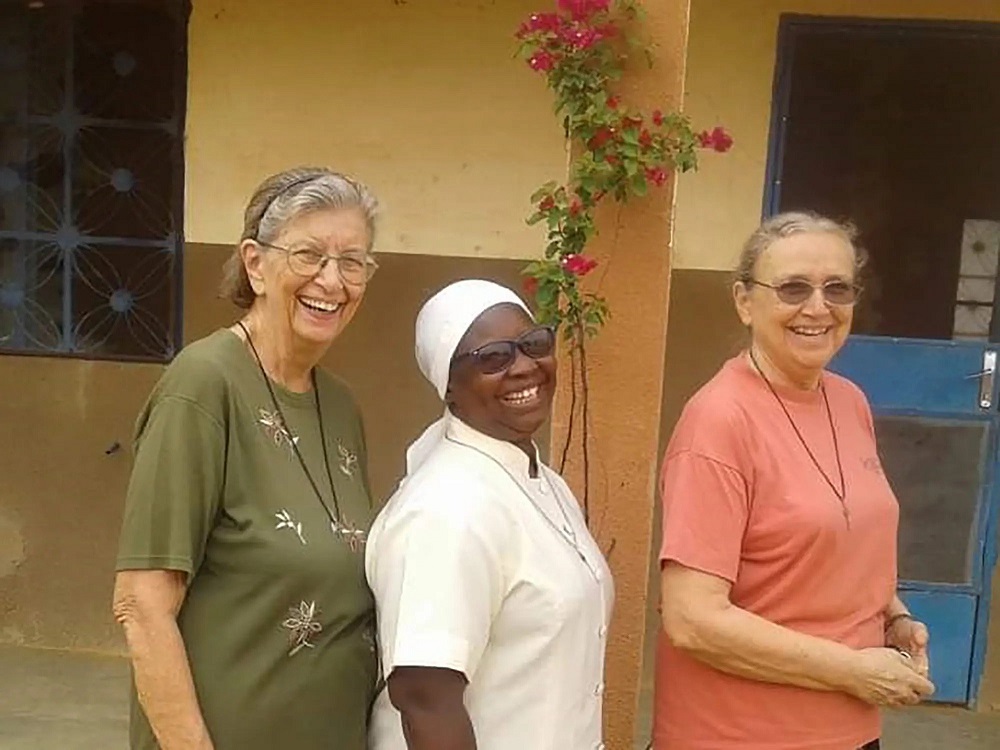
column 703, row 333
column 61, row 495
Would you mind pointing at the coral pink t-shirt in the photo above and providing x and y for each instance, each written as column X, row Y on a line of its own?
column 742, row 500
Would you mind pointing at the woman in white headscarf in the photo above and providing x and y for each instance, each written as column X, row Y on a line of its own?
column 493, row 600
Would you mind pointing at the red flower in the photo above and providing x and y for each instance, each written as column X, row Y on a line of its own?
column 657, row 117
column 540, row 22
column 581, row 38
column 716, row 139
column 575, row 207
column 600, row 139
column 547, row 203
column 613, row 102
column 530, row 286
column 541, row 61
column 631, row 121
column 613, row 160
column 645, row 138
column 578, row 265
column 656, row 175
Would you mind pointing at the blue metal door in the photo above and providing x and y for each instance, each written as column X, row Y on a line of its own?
column 860, row 112
column 937, row 424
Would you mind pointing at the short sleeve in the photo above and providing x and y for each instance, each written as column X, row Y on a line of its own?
column 705, row 513
column 439, row 582
column 174, row 493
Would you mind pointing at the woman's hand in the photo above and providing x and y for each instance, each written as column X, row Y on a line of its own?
column 885, row 677
column 910, row 636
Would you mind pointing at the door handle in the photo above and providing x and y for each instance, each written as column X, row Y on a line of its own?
column 986, row 376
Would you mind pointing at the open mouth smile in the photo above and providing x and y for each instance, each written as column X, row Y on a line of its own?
column 318, row 305
column 523, row 397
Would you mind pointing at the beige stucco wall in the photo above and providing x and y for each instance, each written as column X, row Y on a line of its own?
column 731, row 56
column 423, row 100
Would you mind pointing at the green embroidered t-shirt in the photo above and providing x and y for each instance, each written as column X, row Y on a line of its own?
column 278, row 619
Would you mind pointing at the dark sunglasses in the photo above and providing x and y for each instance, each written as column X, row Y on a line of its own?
column 497, row 356
column 797, row 291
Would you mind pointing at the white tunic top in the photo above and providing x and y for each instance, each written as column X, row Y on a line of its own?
column 475, row 568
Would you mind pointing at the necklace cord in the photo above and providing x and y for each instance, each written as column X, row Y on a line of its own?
column 570, row 537
column 334, row 516
column 840, row 494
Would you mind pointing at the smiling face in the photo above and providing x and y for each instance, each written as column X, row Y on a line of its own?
column 511, row 404
column 796, row 341
column 308, row 312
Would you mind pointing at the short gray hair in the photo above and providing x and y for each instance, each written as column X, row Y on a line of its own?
column 787, row 224
column 283, row 197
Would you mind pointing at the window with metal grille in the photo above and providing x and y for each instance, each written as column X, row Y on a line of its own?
column 91, row 177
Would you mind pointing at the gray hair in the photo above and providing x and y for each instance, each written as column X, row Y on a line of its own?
column 280, row 199
column 787, row 224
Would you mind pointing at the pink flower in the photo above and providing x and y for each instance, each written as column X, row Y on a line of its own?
column 547, row 203
column 656, row 175
column 613, row 159
column 645, row 138
column 657, row 118
column 716, row 139
column 530, row 286
column 542, row 61
column 575, row 207
column 578, row 265
column 613, row 102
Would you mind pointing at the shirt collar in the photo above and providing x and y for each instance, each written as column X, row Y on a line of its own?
column 507, row 454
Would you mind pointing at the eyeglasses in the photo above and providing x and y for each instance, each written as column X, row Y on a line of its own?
column 497, row 356
column 797, row 291
column 354, row 268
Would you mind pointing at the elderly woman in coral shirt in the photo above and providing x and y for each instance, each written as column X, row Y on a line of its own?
column 782, row 629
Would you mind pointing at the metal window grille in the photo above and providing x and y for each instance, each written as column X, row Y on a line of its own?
column 91, row 177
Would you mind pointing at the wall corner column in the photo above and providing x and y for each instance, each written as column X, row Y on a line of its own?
column 625, row 368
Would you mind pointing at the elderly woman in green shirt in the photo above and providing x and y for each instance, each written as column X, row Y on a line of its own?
column 240, row 584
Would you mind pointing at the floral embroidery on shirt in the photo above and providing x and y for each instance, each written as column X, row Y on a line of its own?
column 302, row 626
column 275, row 428
column 285, row 521
column 348, row 460
column 350, row 533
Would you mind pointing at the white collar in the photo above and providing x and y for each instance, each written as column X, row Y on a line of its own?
column 508, row 455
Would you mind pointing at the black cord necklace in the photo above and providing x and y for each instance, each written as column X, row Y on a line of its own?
column 333, row 515
column 841, row 494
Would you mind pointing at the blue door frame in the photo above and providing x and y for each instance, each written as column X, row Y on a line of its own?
column 956, row 612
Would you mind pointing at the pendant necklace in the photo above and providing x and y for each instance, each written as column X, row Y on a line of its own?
column 333, row 515
column 841, row 494
column 567, row 534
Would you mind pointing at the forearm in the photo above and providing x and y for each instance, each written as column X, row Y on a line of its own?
column 740, row 643
column 449, row 729
column 164, row 684
column 895, row 608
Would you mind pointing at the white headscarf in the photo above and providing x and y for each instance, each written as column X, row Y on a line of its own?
column 441, row 324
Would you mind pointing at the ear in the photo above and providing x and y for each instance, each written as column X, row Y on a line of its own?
column 741, row 298
column 253, row 261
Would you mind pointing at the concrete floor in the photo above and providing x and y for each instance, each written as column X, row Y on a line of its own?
column 52, row 700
